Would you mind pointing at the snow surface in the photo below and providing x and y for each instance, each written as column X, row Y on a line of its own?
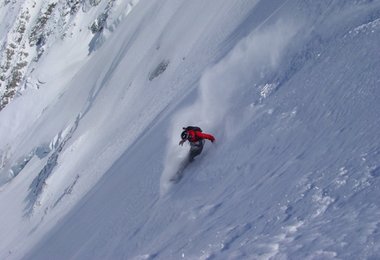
column 290, row 89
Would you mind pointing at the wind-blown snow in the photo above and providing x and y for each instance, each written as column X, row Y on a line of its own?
column 250, row 62
column 289, row 89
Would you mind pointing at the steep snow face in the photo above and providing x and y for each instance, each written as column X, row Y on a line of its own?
column 29, row 29
column 56, row 39
column 58, row 140
column 249, row 61
column 289, row 89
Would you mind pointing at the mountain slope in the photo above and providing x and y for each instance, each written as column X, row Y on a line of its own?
column 288, row 88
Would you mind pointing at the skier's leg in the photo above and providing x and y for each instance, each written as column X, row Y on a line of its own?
column 195, row 150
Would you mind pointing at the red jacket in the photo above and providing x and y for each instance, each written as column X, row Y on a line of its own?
column 195, row 136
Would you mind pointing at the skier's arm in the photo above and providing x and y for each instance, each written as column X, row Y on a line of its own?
column 205, row 136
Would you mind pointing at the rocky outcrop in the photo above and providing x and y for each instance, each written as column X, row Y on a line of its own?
column 34, row 28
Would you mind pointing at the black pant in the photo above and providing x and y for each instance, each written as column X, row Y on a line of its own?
column 195, row 149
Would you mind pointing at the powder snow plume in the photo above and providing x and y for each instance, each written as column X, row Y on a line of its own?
column 252, row 60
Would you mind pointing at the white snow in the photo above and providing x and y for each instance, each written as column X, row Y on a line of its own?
column 289, row 89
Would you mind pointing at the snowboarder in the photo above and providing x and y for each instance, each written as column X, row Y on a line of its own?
column 194, row 135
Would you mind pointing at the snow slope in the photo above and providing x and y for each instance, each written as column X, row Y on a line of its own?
column 290, row 90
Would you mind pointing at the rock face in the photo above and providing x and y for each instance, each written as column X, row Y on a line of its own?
column 29, row 28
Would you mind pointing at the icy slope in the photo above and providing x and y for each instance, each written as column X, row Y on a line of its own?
column 290, row 89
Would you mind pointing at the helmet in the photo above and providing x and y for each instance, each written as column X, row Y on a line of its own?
column 184, row 135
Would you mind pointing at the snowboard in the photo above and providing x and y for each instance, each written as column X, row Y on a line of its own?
column 179, row 174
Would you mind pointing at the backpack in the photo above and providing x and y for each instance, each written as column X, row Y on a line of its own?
column 194, row 128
